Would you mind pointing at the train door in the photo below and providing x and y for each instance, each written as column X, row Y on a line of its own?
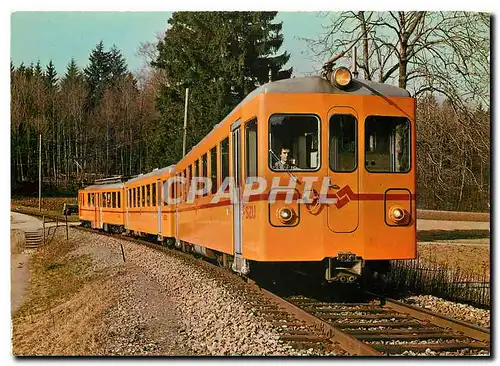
column 94, row 199
column 235, row 197
column 158, row 195
column 343, row 170
column 127, row 204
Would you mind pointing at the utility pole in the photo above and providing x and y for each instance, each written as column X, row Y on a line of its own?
column 185, row 123
column 40, row 174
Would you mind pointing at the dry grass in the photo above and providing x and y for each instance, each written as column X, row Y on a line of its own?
column 50, row 214
column 453, row 272
column 17, row 241
column 64, row 311
column 48, row 203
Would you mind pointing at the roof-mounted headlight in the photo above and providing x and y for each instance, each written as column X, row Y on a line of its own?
column 341, row 77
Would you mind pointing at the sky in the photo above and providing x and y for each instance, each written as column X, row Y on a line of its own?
column 61, row 35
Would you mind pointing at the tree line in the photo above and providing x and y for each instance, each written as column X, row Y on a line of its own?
column 103, row 120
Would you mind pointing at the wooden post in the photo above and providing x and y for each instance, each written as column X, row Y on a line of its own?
column 66, row 217
column 40, row 175
column 43, row 229
column 123, row 252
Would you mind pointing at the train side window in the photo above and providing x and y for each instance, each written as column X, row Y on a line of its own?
column 133, row 197
column 190, row 172
column 299, row 136
column 92, row 199
column 251, row 145
column 118, row 203
column 139, row 196
column 184, row 186
column 171, row 191
column 113, row 200
column 343, row 143
column 129, row 201
column 387, row 144
column 213, row 169
column 88, row 199
column 196, row 171
column 153, row 194
column 148, row 195
column 143, row 196
column 204, row 169
column 224, row 159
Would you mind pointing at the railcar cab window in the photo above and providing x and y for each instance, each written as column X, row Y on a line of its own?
column 343, row 141
column 294, row 142
column 387, row 144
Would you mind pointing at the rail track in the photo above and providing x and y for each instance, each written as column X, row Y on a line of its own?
column 374, row 326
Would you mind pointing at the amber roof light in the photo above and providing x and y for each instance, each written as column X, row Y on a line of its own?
column 342, row 77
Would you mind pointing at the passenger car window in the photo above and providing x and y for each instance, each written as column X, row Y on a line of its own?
column 387, row 144
column 343, row 143
column 294, row 142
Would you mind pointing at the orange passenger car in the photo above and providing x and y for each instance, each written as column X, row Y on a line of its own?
column 101, row 206
column 321, row 171
column 146, row 211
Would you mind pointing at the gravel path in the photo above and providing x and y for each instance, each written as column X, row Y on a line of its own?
column 455, row 310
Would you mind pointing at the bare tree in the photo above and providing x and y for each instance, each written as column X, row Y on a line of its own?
column 445, row 52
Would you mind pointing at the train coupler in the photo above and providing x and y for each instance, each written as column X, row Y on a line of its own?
column 346, row 268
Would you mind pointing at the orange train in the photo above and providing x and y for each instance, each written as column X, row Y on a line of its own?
column 343, row 148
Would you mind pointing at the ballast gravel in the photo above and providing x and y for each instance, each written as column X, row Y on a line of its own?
column 211, row 316
column 463, row 312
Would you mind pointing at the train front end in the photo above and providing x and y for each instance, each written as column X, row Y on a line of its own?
column 345, row 155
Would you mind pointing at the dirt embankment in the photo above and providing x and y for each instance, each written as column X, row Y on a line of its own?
column 86, row 301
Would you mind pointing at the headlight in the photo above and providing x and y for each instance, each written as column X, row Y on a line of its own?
column 342, row 77
column 397, row 214
column 285, row 215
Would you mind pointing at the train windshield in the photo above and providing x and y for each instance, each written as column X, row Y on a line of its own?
column 294, row 142
column 387, row 144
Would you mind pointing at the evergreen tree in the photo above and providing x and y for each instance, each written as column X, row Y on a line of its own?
column 37, row 71
column 72, row 70
column 51, row 76
column 221, row 57
column 118, row 66
column 97, row 74
column 22, row 68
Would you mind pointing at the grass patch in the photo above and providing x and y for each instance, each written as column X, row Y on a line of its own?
column 438, row 235
column 54, row 277
column 65, row 306
column 417, row 277
column 52, row 214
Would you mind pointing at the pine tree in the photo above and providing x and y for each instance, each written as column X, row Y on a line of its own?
column 51, row 76
column 221, row 57
column 118, row 66
column 72, row 70
column 97, row 74
column 37, row 71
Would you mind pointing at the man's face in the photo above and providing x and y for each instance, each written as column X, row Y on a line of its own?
column 284, row 154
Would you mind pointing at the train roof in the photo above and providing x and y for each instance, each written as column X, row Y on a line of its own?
column 100, row 187
column 155, row 172
column 316, row 84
